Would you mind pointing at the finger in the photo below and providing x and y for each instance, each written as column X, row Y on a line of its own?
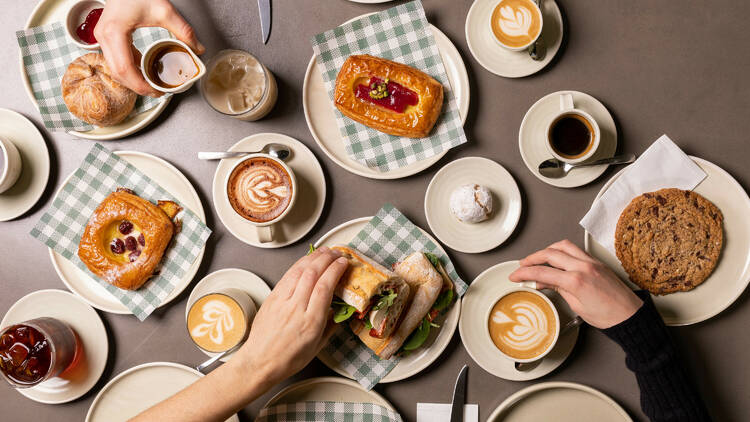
column 285, row 286
column 310, row 276
column 571, row 249
column 121, row 63
column 322, row 294
column 544, row 275
column 177, row 25
column 553, row 257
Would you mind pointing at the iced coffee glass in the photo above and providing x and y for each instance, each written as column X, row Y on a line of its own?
column 238, row 85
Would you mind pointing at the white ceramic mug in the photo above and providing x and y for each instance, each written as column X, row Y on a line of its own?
column 536, row 9
column 11, row 168
column 153, row 48
column 544, row 297
column 568, row 108
column 240, row 297
column 265, row 229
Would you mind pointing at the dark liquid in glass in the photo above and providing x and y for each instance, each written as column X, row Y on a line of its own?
column 25, row 354
column 571, row 135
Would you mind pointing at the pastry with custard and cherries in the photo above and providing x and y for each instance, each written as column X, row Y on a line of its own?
column 126, row 237
column 387, row 96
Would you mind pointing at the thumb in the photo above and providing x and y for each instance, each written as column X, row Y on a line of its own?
column 177, row 25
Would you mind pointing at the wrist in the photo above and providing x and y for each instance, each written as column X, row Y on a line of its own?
column 252, row 377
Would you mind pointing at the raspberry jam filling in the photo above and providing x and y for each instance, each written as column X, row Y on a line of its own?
column 386, row 93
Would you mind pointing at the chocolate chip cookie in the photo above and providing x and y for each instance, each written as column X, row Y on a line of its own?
column 669, row 240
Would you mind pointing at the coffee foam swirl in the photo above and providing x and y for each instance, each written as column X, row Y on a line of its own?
column 516, row 21
column 218, row 321
column 260, row 190
column 529, row 329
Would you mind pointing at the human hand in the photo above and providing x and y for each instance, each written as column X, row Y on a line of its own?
column 114, row 34
column 591, row 289
column 294, row 322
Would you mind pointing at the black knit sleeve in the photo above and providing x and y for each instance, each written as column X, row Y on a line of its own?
column 667, row 392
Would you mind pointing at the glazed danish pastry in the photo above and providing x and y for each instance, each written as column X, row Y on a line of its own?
column 387, row 96
column 126, row 237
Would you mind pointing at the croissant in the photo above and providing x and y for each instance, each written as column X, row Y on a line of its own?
column 91, row 93
column 126, row 237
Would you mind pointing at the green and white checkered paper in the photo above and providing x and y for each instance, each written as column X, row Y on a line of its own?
column 400, row 34
column 101, row 173
column 46, row 53
column 387, row 238
column 326, row 411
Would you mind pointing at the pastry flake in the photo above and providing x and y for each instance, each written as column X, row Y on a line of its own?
column 387, row 96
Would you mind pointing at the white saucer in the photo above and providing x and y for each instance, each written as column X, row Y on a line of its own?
column 559, row 402
column 138, row 388
column 532, row 137
column 503, row 62
column 48, row 11
column 479, row 237
column 91, row 332
column 307, row 208
column 731, row 275
column 35, row 164
column 482, row 295
column 321, row 119
column 435, row 343
column 327, row 389
column 235, row 278
column 174, row 182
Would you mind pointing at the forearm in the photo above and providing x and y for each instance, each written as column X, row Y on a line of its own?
column 667, row 392
column 214, row 397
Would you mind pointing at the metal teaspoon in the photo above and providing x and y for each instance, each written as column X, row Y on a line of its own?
column 555, row 169
column 524, row 367
column 278, row 151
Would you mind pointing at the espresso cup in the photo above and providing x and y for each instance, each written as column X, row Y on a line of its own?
column 519, row 326
column 570, row 144
column 154, row 48
column 261, row 193
column 516, row 24
column 220, row 320
column 10, row 164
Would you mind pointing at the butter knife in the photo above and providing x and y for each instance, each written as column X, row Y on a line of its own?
column 264, row 6
column 459, row 396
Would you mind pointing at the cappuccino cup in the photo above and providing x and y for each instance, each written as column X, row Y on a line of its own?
column 220, row 320
column 10, row 164
column 262, row 190
column 523, row 324
column 516, row 24
column 573, row 136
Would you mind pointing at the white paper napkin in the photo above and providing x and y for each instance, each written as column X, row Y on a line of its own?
column 662, row 165
column 441, row 412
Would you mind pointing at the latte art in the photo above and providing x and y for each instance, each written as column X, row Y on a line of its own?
column 516, row 23
column 216, row 322
column 522, row 325
column 259, row 189
column 218, row 319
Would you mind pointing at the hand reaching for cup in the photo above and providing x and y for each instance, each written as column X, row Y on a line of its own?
column 114, row 34
column 591, row 289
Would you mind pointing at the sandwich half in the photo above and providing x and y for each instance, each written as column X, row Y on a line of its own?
column 369, row 293
column 430, row 291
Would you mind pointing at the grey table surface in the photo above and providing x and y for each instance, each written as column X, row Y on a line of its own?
column 660, row 67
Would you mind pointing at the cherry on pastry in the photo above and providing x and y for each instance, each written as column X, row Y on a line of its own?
column 134, row 255
column 125, row 227
column 141, row 239
column 117, row 246
column 130, row 243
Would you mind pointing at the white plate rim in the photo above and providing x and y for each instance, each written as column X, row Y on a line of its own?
column 521, row 394
column 188, row 275
column 46, row 165
column 154, row 112
column 706, row 316
column 382, row 401
column 399, row 173
column 515, row 194
column 452, row 318
column 100, row 327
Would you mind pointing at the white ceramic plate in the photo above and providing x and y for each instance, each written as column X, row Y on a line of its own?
column 311, row 195
column 85, row 322
column 436, row 342
column 139, row 388
column 482, row 236
column 503, row 62
column 731, row 275
column 327, row 389
column 35, row 164
column 174, row 182
column 559, row 402
column 532, row 137
column 234, row 278
column 322, row 121
column 48, row 11
column 483, row 293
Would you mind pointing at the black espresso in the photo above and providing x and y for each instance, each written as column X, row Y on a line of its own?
column 571, row 135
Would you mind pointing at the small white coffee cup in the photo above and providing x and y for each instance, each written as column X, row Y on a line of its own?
column 12, row 164
column 241, row 298
column 568, row 108
column 535, row 9
column 544, row 297
column 264, row 229
column 156, row 46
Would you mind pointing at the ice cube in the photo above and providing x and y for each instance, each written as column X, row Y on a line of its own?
column 236, row 102
column 220, row 75
column 18, row 353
